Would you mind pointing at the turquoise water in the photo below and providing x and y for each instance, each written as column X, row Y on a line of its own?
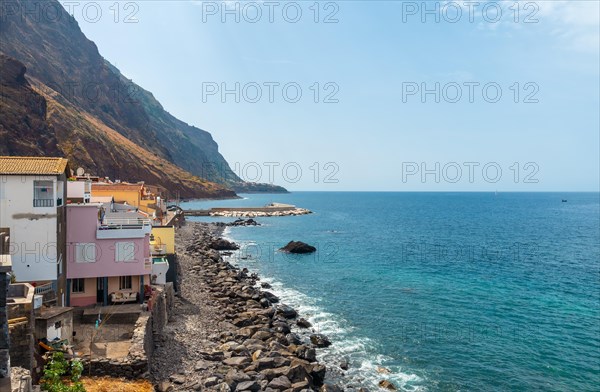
column 450, row 291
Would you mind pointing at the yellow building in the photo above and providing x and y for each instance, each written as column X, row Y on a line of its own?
column 120, row 192
column 137, row 195
column 162, row 240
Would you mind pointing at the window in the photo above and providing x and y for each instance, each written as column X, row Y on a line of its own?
column 78, row 285
column 124, row 251
column 124, row 282
column 85, row 252
column 43, row 194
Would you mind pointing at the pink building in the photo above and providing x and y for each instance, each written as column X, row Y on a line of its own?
column 107, row 261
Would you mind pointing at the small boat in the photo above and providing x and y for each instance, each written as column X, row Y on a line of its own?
column 564, row 200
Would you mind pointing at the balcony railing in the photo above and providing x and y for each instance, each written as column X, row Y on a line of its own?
column 43, row 202
column 127, row 223
column 43, row 289
column 124, row 228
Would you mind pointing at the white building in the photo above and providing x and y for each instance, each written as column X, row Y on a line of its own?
column 79, row 191
column 32, row 212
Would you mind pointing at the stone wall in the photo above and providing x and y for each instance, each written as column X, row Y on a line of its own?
column 4, row 339
column 21, row 334
column 149, row 326
column 135, row 365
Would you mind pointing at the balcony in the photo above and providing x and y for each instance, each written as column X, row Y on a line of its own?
column 43, row 202
column 124, row 228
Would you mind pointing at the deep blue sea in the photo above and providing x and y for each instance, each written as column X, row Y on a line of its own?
column 449, row 291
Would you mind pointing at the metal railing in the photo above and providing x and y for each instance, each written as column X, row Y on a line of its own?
column 126, row 223
column 43, row 289
column 43, row 202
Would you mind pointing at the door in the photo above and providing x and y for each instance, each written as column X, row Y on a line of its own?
column 100, row 290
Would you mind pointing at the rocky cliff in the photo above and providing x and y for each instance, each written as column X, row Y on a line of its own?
column 89, row 104
column 36, row 121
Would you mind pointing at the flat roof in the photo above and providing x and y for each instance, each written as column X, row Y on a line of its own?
column 48, row 313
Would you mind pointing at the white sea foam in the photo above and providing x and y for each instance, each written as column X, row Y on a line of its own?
column 357, row 350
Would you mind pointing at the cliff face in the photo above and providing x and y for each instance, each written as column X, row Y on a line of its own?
column 67, row 69
column 23, row 127
column 35, row 120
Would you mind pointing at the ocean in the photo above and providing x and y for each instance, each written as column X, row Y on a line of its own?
column 449, row 291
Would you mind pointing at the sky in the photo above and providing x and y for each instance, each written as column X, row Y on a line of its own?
column 374, row 95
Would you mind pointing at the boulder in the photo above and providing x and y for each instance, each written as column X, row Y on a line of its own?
column 262, row 335
column 385, row 384
column 211, row 381
column 303, row 323
column 270, row 297
column 201, row 365
column 344, row 364
column 237, row 361
column 223, row 244
column 298, row 247
column 265, row 363
column 248, row 386
column 280, row 383
column 318, row 374
column 297, row 373
column 264, row 303
column 281, row 327
column 300, row 386
column 286, row 311
column 293, row 338
column 320, row 340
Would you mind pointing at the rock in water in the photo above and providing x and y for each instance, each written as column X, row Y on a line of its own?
column 223, row 244
column 298, row 247
column 382, row 370
column 385, row 384
column 303, row 323
column 320, row 340
column 344, row 364
column 286, row 311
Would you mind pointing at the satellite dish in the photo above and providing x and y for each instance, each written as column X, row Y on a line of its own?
column 80, row 172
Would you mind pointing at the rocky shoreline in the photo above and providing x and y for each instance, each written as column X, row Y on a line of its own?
column 229, row 334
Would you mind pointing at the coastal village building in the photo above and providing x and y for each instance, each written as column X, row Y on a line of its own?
column 162, row 249
column 143, row 197
column 121, row 192
column 108, row 255
column 5, row 271
column 79, row 191
column 32, row 215
column 83, row 249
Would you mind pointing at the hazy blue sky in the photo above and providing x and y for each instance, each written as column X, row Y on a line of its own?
column 371, row 63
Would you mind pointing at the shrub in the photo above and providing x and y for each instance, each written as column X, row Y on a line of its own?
column 57, row 370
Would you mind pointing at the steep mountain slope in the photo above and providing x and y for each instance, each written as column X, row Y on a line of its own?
column 40, row 121
column 60, row 59
column 22, row 113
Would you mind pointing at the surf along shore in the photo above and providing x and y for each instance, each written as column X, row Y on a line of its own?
column 228, row 332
